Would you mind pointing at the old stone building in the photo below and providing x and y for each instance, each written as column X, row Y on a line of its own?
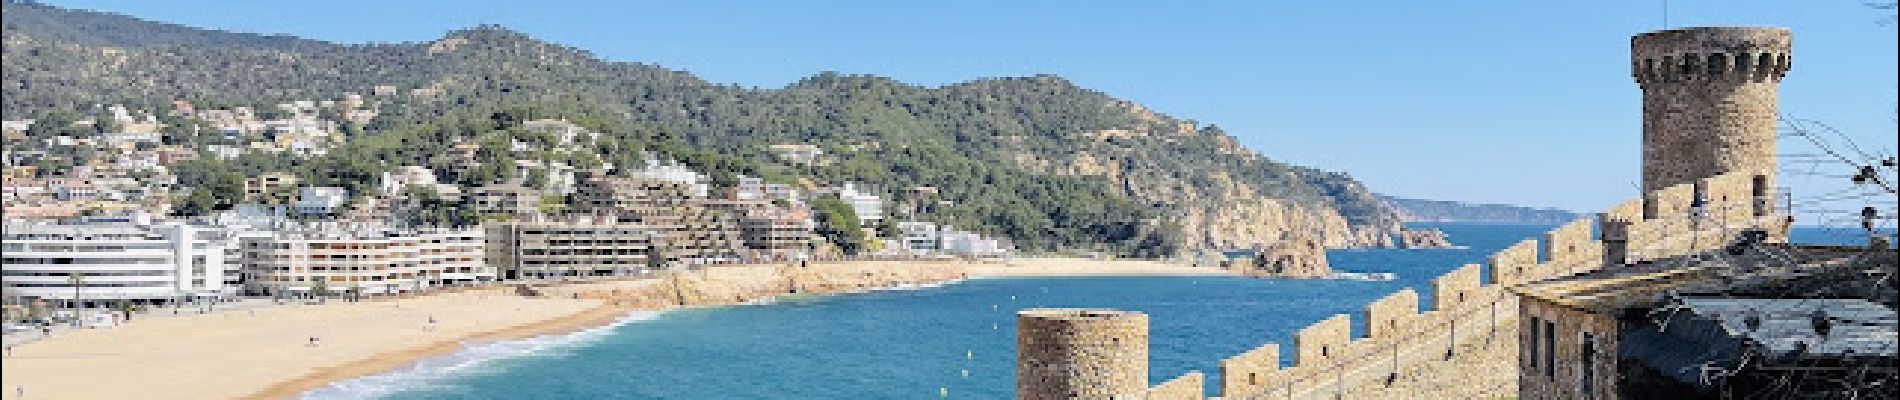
column 1711, row 326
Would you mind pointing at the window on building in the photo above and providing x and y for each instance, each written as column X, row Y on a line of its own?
column 1536, row 336
column 1550, row 349
column 1587, row 356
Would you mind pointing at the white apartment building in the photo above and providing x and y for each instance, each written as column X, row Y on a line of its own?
column 337, row 261
column 971, row 244
column 672, row 171
column 321, row 200
column 117, row 261
column 752, row 188
column 869, row 207
column 918, row 237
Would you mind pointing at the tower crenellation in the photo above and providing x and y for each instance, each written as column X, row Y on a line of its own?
column 1709, row 101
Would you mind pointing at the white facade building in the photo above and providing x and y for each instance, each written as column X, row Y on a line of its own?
column 117, row 261
column 971, row 244
column 918, row 237
column 321, row 200
column 673, row 171
column 869, row 207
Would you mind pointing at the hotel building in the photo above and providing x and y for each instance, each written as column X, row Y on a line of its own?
column 100, row 262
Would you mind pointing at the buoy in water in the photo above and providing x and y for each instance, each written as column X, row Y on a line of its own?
column 943, row 392
column 966, row 374
column 969, row 354
column 992, row 327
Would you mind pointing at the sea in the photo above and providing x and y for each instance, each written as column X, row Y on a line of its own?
column 954, row 340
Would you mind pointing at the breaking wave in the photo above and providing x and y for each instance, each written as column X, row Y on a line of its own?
column 471, row 358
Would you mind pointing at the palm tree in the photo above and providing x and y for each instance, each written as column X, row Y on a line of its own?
column 77, row 280
column 321, row 289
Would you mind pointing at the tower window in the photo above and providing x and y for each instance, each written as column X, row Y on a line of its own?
column 1536, row 336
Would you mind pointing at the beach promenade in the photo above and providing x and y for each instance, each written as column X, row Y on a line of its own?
column 266, row 352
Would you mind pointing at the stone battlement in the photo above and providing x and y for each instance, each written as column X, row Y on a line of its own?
column 1471, row 323
column 1710, row 55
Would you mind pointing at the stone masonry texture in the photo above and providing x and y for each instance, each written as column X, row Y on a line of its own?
column 1708, row 101
column 1064, row 353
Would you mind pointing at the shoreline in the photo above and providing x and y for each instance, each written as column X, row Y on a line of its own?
column 599, row 316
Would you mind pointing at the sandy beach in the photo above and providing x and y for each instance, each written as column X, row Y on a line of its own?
column 265, row 353
column 237, row 354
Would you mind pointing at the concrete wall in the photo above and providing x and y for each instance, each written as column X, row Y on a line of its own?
column 1322, row 341
column 1249, row 372
column 1393, row 315
column 1185, row 387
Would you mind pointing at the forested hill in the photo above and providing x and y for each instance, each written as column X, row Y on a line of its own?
column 1414, row 210
column 1050, row 164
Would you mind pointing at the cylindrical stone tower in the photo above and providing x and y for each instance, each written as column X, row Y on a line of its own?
column 1065, row 353
column 1708, row 102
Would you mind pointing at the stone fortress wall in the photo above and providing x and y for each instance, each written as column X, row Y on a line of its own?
column 1709, row 130
column 1465, row 344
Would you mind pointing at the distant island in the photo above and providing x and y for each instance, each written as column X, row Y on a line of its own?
column 1416, row 210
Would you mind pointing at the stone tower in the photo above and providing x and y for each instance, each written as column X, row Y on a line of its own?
column 1064, row 353
column 1709, row 102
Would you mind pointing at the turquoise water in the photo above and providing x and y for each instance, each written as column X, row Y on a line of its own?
column 910, row 344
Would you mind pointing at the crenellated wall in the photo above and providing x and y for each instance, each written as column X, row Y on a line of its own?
column 1465, row 346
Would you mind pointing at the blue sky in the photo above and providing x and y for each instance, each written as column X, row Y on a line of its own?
column 1489, row 101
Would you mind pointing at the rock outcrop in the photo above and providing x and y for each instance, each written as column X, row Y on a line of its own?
column 1423, row 239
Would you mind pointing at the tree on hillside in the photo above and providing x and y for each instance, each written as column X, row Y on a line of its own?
column 838, row 224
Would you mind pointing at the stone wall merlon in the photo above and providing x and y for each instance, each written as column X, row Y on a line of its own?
column 1249, row 372
column 1322, row 341
column 1392, row 315
column 1572, row 244
column 1673, row 202
column 1628, row 210
column 1185, row 387
column 1455, row 288
column 1509, row 266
